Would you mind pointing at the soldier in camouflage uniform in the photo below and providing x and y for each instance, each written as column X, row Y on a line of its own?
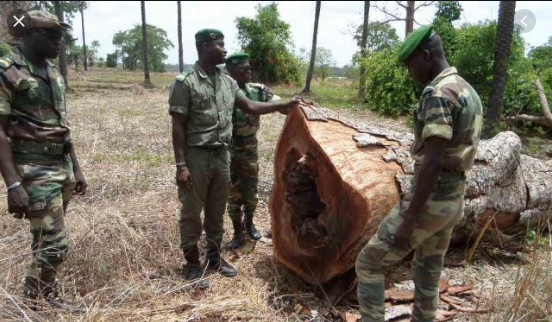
column 38, row 162
column 244, row 168
column 447, row 128
column 201, row 106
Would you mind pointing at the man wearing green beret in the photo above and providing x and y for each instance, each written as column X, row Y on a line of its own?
column 447, row 128
column 37, row 158
column 244, row 168
column 201, row 106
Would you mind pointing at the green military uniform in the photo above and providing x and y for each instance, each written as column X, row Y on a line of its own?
column 449, row 108
column 34, row 101
column 207, row 102
column 244, row 170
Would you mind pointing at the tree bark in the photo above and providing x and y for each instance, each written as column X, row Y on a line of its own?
column 363, row 52
column 409, row 21
column 180, row 50
column 313, row 50
column 147, row 80
column 85, row 64
column 335, row 180
column 63, row 49
column 504, row 33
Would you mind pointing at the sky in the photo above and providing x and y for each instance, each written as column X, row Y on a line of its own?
column 337, row 18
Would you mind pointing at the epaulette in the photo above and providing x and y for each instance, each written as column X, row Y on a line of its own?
column 181, row 77
column 428, row 91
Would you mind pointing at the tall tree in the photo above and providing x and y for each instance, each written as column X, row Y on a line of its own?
column 147, row 80
column 504, row 34
column 363, row 52
column 63, row 49
column 380, row 36
column 180, row 51
column 313, row 51
column 410, row 9
column 85, row 62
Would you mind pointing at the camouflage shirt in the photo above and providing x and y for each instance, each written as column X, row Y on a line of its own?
column 34, row 103
column 248, row 124
column 207, row 102
column 450, row 109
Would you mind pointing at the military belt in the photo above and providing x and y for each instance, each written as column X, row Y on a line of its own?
column 44, row 148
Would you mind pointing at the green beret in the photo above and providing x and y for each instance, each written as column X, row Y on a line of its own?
column 208, row 34
column 42, row 19
column 412, row 42
column 237, row 58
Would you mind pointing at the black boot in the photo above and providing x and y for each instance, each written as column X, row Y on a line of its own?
column 250, row 227
column 193, row 270
column 217, row 263
column 51, row 293
column 239, row 236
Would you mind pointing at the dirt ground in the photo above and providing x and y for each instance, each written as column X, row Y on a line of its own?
column 124, row 255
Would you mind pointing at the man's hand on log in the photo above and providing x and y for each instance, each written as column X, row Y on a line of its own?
column 291, row 104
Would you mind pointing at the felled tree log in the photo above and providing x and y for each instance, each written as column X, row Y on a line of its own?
column 334, row 181
column 546, row 118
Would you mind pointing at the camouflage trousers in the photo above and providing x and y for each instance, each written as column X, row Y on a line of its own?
column 49, row 188
column 244, row 177
column 209, row 169
column 430, row 240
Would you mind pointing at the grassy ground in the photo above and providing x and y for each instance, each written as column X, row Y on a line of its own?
column 124, row 231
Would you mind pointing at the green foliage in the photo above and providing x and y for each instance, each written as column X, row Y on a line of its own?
column 380, row 36
column 448, row 10
column 267, row 39
column 323, row 63
column 471, row 50
column 111, row 60
column 389, row 89
column 129, row 44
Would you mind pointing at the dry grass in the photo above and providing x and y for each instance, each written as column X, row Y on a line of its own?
column 125, row 229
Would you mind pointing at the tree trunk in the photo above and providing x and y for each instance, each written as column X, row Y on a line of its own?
column 147, row 80
column 63, row 49
column 335, row 180
column 363, row 52
column 180, row 52
column 504, row 33
column 410, row 10
column 85, row 58
column 313, row 50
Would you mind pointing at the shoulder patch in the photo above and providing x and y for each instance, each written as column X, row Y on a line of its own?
column 6, row 62
column 182, row 77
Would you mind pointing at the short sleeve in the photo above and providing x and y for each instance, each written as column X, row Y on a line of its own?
column 5, row 96
column 437, row 118
column 179, row 98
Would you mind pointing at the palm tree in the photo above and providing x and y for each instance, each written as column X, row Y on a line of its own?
column 363, row 52
column 313, row 51
column 180, row 53
column 504, row 33
column 83, row 38
column 63, row 49
column 147, row 80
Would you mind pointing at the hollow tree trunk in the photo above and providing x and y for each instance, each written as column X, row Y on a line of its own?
column 335, row 180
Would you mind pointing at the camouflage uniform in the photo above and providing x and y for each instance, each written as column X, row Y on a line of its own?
column 451, row 109
column 208, row 108
column 244, row 169
column 40, row 137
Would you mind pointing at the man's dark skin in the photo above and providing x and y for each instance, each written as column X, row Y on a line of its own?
column 210, row 54
column 38, row 45
column 423, row 66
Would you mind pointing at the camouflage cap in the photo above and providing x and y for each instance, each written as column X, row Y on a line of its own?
column 412, row 42
column 237, row 58
column 208, row 34
column 42, row 19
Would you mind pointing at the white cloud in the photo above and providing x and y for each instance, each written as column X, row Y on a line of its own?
column 103, row 19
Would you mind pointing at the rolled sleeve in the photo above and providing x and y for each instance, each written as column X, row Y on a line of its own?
column 179, row 98
column 437, row 119
column 5, row 97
